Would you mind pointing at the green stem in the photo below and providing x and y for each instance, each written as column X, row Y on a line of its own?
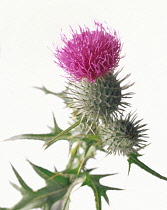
column 73, row 155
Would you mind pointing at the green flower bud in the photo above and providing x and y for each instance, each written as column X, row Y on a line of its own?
column 98, row 101
column 124, row 136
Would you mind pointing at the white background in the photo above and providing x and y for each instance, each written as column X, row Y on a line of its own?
column 28, row 30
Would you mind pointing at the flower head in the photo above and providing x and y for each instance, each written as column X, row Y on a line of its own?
column 124, row 136
column 100, row 100
column 89, row 54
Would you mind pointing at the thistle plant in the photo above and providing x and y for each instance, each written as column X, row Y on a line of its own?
column 98, row 101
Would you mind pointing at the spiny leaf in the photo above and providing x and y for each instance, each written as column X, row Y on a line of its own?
column 17, row 187
column 46, row 91
column 93, row 181
column 132, row 158
column 91, row 184
column 97, row 177
column 50, row 177
column 62, row 133
column 44, row 137
column 45, row 197
column 59, row 187
column 61, row 95
column 42, row 197
column 55, row 128
column 102, row 188
column 25, row 187
column 27, row 203
column 90, row 170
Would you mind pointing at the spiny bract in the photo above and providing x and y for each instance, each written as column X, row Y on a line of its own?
column 100, row 100
column 124, row 136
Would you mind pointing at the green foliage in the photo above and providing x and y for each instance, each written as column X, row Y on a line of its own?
column 46, row 196
column 99, row 190
column 58, row 187
column 55, row 130
column 61, row 95
column 133, row 158
column 50, row 177
column 24, row 187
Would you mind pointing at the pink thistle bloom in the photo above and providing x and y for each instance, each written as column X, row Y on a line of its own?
column 89, row 54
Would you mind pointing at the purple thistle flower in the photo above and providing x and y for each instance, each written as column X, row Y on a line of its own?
column 89, row 54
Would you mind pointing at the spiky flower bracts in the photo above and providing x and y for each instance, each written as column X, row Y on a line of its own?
column 124, row 135
column 98, row 101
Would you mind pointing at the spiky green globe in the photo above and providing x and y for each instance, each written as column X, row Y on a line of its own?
column 99, row 100
column 124, row 136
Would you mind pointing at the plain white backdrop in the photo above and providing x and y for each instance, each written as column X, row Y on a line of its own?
column 28, row 30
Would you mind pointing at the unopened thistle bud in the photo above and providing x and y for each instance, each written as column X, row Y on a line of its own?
column 124, row 136
column 100, row 100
